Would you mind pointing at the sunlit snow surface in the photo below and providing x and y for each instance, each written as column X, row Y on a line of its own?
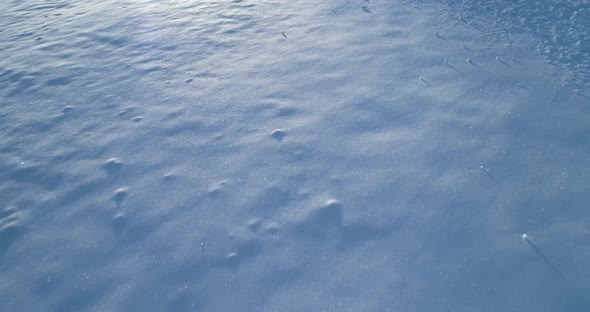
column 293, row 156
column 560, row 28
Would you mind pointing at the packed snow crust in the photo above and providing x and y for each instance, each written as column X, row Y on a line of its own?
column 258, row 155
column 561, row 28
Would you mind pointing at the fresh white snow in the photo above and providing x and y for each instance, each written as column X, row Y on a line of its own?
column 269, row 155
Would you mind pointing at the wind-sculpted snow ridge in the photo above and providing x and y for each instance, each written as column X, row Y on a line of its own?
column 562, row 28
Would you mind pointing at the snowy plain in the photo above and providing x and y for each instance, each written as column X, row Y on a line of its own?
column 260, row 155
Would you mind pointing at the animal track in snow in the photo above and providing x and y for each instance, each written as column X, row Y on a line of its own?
column 120, row 195
column 278, row 134
column 112, row 165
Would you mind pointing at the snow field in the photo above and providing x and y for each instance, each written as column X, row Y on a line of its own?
column 286, row 156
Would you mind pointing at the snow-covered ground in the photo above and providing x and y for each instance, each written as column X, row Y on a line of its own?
column 269, row 155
